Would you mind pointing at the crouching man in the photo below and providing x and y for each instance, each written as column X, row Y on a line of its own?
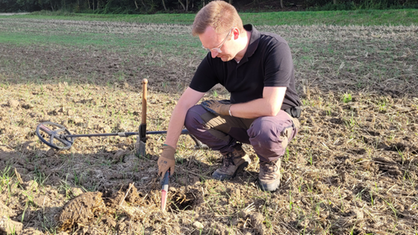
column 257, row 69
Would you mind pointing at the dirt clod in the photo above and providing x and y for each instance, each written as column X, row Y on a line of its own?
column 80, row 210
column 257, row 220
column 198, row 225
column 9, row 226
column 13, row 103
column 6, row 211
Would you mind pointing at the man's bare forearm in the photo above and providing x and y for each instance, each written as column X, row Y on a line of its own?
column 189, row 98
column 269, row 105
column 175, row 126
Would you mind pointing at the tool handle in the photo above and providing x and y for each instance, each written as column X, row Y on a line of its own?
column 144, row 101
column 165, row 181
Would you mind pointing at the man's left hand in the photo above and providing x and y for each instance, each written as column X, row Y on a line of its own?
column 216, row 107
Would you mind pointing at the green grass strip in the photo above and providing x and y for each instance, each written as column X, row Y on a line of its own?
column 406, row 17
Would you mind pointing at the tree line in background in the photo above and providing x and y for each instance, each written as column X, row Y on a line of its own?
column 178, row 6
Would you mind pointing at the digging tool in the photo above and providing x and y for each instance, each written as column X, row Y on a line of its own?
column 143, row 127
column 164, row 190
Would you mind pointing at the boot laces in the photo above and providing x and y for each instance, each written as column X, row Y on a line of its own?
column 268, row 170
column 228, row 160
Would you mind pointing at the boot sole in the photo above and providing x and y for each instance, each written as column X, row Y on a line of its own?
column 269, row 187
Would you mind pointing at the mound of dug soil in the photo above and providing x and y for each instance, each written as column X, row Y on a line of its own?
column 90, row 209
column 81, row 210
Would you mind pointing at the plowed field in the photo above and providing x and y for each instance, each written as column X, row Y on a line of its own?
column 351, row 170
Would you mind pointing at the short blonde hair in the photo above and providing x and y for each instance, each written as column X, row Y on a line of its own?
column 221, row 15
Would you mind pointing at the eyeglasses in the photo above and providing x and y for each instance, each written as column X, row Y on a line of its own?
column 218, row 49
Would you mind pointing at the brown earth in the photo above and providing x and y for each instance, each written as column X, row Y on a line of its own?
column 352, row 169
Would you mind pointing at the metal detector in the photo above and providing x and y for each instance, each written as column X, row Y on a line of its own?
column 58, row 137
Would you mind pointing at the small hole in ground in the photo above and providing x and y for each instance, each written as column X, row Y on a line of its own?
column 180, row 202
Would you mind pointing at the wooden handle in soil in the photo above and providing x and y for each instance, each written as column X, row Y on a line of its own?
column 144, row 101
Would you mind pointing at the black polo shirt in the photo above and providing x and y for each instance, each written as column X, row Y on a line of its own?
column 266, row 63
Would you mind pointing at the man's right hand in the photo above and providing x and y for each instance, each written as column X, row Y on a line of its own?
column 166, row 160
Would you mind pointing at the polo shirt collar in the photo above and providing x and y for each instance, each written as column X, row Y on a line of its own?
column 255, row 35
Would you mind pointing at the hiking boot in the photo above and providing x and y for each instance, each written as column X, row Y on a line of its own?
column 232, row 163
column 269, row 176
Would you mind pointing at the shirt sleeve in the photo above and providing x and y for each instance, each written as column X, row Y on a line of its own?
column 205, row 76
column 278, row 68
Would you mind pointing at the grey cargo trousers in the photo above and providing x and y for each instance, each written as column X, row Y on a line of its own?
column 268, row 135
